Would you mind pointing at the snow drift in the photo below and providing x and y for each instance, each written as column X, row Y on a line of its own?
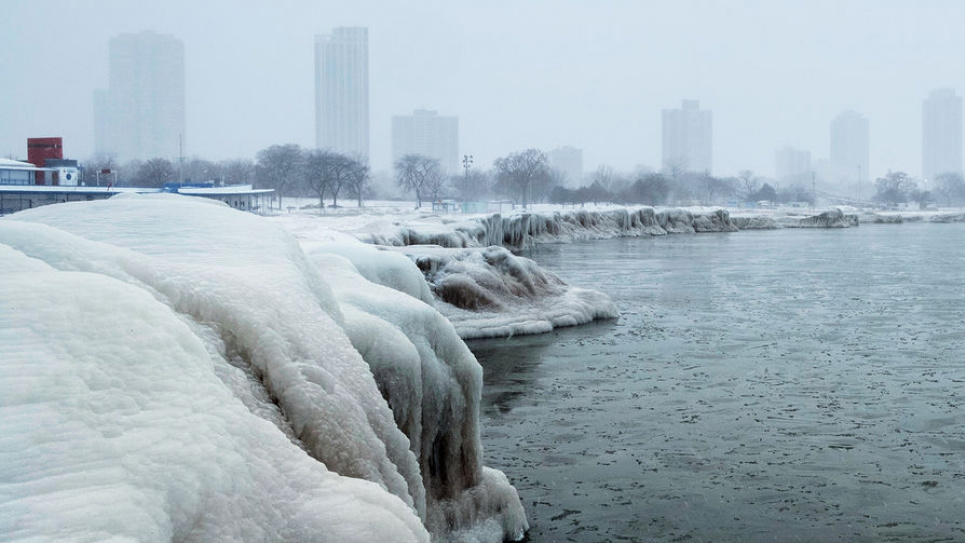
column 177, row 370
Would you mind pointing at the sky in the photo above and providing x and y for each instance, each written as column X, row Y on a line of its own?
column 518, row 74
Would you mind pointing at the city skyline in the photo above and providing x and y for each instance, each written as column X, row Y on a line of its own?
column 587, row 78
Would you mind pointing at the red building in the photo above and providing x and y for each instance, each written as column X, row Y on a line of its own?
column 39, row 150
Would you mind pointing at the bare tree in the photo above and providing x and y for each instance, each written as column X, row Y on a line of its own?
column 101, row 169
column 326, row 171
column 199, row 170
column 279, row 167
column 419, row 174
column 155, row 173
column 237, row 172
column 473, row 185
column 894, row 188
column 950, row 188
column 748, row 183
column 517, row 173
column 358, row 181
column 316, row 173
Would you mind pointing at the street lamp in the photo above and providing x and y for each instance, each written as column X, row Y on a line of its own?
column 466, row 164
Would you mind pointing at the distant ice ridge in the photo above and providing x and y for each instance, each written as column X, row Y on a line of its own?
column 898, row 217
column 521, row 230
column 176, row 370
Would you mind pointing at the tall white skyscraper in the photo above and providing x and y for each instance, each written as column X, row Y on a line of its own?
column 688, row 138
column 850, row 149
column 792, row 165
column 941, row 140
column 342, row 91
column 429, row 134
column 568, row 161
column 141, row 114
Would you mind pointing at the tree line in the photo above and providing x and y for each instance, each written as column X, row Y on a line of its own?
column 522, row 177
column 896, row 188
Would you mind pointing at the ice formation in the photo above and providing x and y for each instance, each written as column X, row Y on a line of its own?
column 520, row 230
column 832, row 218
column 177, row 370
column 491, row 292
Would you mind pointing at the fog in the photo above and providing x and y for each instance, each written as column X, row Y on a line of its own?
column 594, row 75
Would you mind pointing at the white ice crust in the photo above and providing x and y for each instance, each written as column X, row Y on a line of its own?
column 173, row 369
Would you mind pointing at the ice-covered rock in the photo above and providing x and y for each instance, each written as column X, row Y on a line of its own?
column 166, row 353
column 414, row 352
column 491, row 292
column 521, row 230
column 754, row 222
column 946, row 217
column 832, row 218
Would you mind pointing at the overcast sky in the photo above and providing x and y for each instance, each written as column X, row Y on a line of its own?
column 518, row 74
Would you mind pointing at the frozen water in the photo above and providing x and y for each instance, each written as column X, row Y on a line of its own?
column 166, row 353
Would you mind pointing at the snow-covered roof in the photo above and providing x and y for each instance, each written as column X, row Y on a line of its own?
column 72, row 189
column 10, row 163
column 229, row 190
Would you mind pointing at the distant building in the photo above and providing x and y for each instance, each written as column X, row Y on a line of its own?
column 792, row 165
column 850, row 150
column 342, row 91
column 141, row 115
column 429, row 134
column 941, row 141
column 568, row 161
column 688, row 138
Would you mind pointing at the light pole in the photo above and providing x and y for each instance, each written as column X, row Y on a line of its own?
column 857, row 190
column 466, row 164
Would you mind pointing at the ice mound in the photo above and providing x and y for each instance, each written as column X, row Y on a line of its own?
column 173, row 360
column 832, row 218
column 754, row 222
column 491, row 292
column 415, row 352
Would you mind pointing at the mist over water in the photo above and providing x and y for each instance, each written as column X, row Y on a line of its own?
column 763, row 386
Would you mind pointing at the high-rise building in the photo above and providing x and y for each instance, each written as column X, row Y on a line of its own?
column 429, row 134
column 850, row 150
column 568, row 161
column 941, row 140
column 342, row 91
column 688, row 138
column 792, row 165
column 141, row 114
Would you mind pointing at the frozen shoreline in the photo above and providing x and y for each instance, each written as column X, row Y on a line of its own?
column 165, row 353
column 486, row 291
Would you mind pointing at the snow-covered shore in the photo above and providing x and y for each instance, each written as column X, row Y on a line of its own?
column 173, row 369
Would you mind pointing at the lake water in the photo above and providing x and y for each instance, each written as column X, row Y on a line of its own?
column 789, row 385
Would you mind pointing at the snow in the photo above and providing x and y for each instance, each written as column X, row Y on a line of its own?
column 167, row 353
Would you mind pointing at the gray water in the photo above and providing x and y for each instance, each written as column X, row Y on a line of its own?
column 790, row 385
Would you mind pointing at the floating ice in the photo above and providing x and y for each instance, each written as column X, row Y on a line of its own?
column 170, row 362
